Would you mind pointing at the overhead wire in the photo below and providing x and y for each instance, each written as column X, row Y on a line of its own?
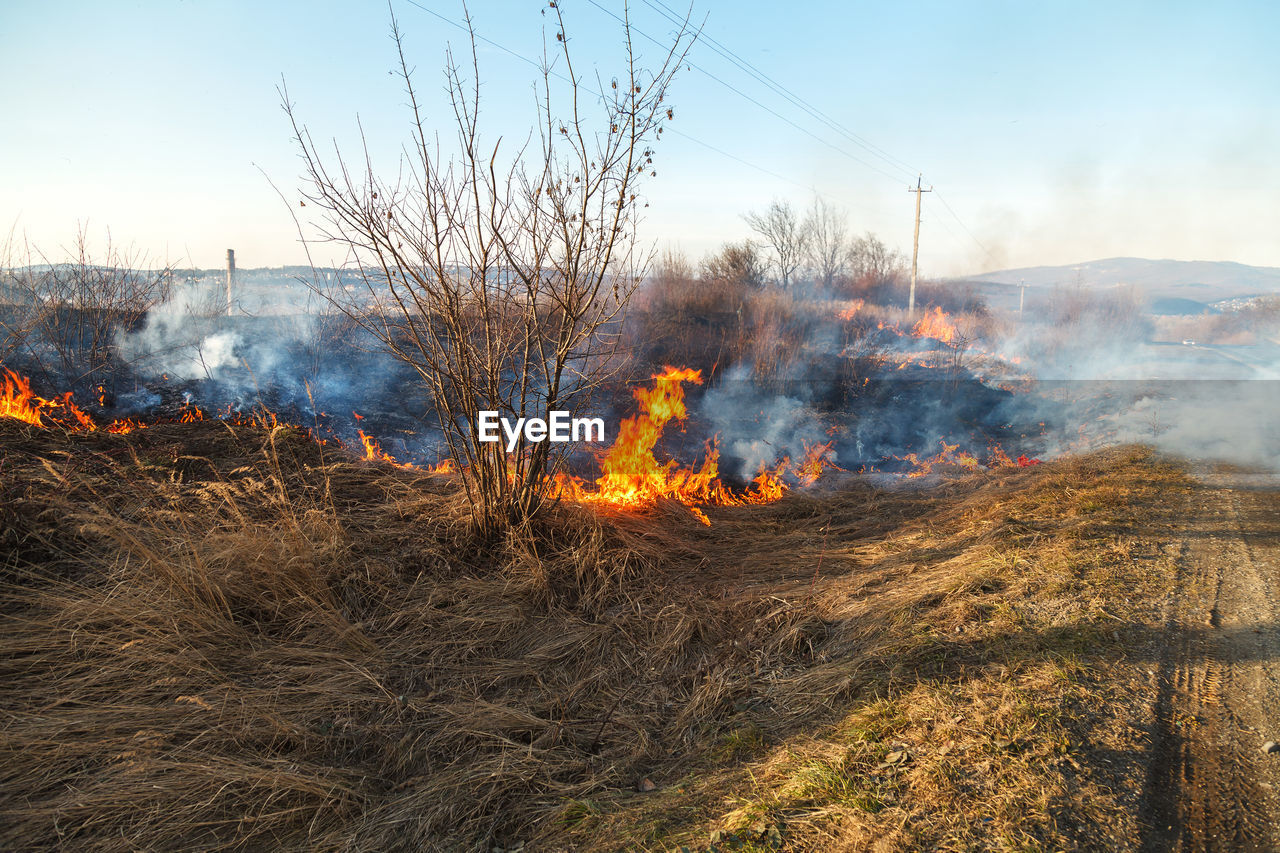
column 799, row 101
column 759, row 76
column 565, row 79
column 957, row 218
column 759, row 104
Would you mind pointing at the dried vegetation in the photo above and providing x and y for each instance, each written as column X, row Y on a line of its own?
column 227, row 637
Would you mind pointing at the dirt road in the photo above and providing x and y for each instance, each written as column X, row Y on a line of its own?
column 1211, row 786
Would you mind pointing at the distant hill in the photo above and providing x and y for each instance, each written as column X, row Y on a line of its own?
column 1201, row 281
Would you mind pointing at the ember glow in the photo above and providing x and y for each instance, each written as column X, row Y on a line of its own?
column 952, row 455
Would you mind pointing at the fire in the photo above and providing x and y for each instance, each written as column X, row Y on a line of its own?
column 85, row 422
column 999, row 459
column 121, row 426
column 851, row 309
column 937, row 325
column 768, row 484
column 952, row 455
column 817, row 457
column 373, row 450
column 948, row 456
column 631, row 474
column 632, row 477
column 919, row 359
column 17, row 401
column 444, row 466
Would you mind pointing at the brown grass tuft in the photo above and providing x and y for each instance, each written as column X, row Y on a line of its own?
column 227, row 638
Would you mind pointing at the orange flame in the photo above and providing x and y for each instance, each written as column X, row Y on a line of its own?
column 85, row 422
column 768, row 484
column 937, row 325
column 948, row 456
column 1000, row 459
column 633, row 477
column 444, row 466
column 996, row 458
column 374, row 453
column 17, row 401
column 125, row 425
column 817, row 458
column 851, row 310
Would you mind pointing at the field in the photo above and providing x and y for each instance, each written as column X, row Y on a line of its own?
column 222, row 636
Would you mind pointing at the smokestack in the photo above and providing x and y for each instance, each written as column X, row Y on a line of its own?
column 231, row 274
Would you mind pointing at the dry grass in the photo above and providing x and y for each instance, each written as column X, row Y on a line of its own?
column 226, row 638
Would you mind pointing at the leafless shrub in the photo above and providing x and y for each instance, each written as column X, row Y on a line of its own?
column 17, row 309
column 785, row 234
column 499, row 275
column 737, row 267
column 828, row 244
column 875, row 270
column 68, row 314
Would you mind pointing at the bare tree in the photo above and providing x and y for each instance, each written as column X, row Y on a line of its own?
column 873, row 265
column 73, row 311
column 784, row 233
column 736, row 264
column 499, row 274
column 828, row 244
column 17, row 307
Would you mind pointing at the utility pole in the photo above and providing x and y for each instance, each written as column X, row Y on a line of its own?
column 915, row 247
column 231, row 274
column 1022, row 295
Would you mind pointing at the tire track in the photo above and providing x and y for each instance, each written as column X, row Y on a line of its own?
column 1210, row 787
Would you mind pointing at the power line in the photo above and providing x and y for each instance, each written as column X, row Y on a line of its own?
column 795, row 99
column 955, row 216
column 708, row 145
column 762, row 106
column 669, row 129
column 727, row 53
column 786, row 93
column 489, row 42
column 761, row 169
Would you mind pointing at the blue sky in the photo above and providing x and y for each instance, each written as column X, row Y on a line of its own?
column 1055, row 132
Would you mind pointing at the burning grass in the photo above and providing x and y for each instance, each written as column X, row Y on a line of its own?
column 226, row 636
column 633, row 477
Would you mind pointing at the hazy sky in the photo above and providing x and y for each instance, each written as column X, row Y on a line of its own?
column 1056, row 132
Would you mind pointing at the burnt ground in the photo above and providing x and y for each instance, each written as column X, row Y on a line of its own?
column 1211, row 786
